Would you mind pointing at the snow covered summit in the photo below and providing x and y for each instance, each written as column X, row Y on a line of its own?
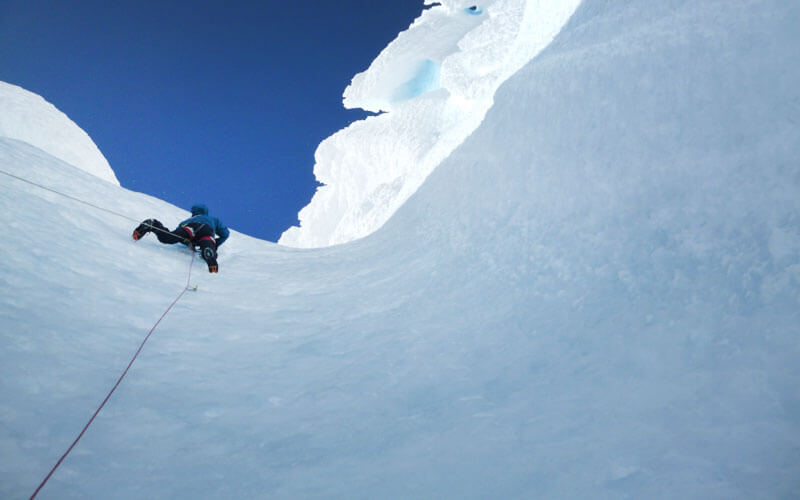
column 27, row 117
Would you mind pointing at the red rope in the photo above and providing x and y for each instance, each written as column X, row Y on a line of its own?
column 85, row 427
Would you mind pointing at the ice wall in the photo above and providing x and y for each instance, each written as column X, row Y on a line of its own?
column 596, row 295
column 435, row 83
column 27, row 117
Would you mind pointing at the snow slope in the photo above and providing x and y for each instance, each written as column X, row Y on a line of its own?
column 595, row 296
column 28, row 117
column 436, row 81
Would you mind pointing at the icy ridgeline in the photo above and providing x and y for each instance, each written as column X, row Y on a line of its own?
column 595, row 296
column 29, row 118
column 436, row 81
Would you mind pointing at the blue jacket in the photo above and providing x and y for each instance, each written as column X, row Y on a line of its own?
column 200, row 215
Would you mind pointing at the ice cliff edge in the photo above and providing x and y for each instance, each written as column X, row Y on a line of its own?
column 436, row 81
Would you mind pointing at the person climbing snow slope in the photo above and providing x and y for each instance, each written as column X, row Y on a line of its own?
column 199, row 230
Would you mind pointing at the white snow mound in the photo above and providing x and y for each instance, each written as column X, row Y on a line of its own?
column 27, row 117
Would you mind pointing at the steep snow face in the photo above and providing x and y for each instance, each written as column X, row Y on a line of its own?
column 27, row 117
column 435, row 81
column 595, row 296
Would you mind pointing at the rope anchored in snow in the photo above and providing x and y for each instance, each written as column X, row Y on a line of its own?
column 108, row 396
column 141, row 346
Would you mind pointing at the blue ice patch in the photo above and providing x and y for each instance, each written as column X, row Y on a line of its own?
column 474, row 10
column 425, row 80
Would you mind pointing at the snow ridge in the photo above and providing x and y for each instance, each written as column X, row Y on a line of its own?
column 27, row 117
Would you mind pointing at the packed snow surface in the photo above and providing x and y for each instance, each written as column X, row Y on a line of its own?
column 436, row 82
column 595, row 295
column 27, row 117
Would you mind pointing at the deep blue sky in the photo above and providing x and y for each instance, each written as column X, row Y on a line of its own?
column 203, row 101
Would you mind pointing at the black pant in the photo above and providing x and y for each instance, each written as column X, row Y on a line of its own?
column 197, row 234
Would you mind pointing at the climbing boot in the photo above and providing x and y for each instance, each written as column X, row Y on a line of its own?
column 210, row 256
column 145, row 227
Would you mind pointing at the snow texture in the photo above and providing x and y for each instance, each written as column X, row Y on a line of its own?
column 596, row 295
column 27, row 117
column 435, row 83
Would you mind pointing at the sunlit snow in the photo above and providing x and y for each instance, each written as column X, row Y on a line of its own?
column 27, row 117
column 435, row 81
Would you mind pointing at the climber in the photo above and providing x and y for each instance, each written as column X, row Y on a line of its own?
column 198, row 230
